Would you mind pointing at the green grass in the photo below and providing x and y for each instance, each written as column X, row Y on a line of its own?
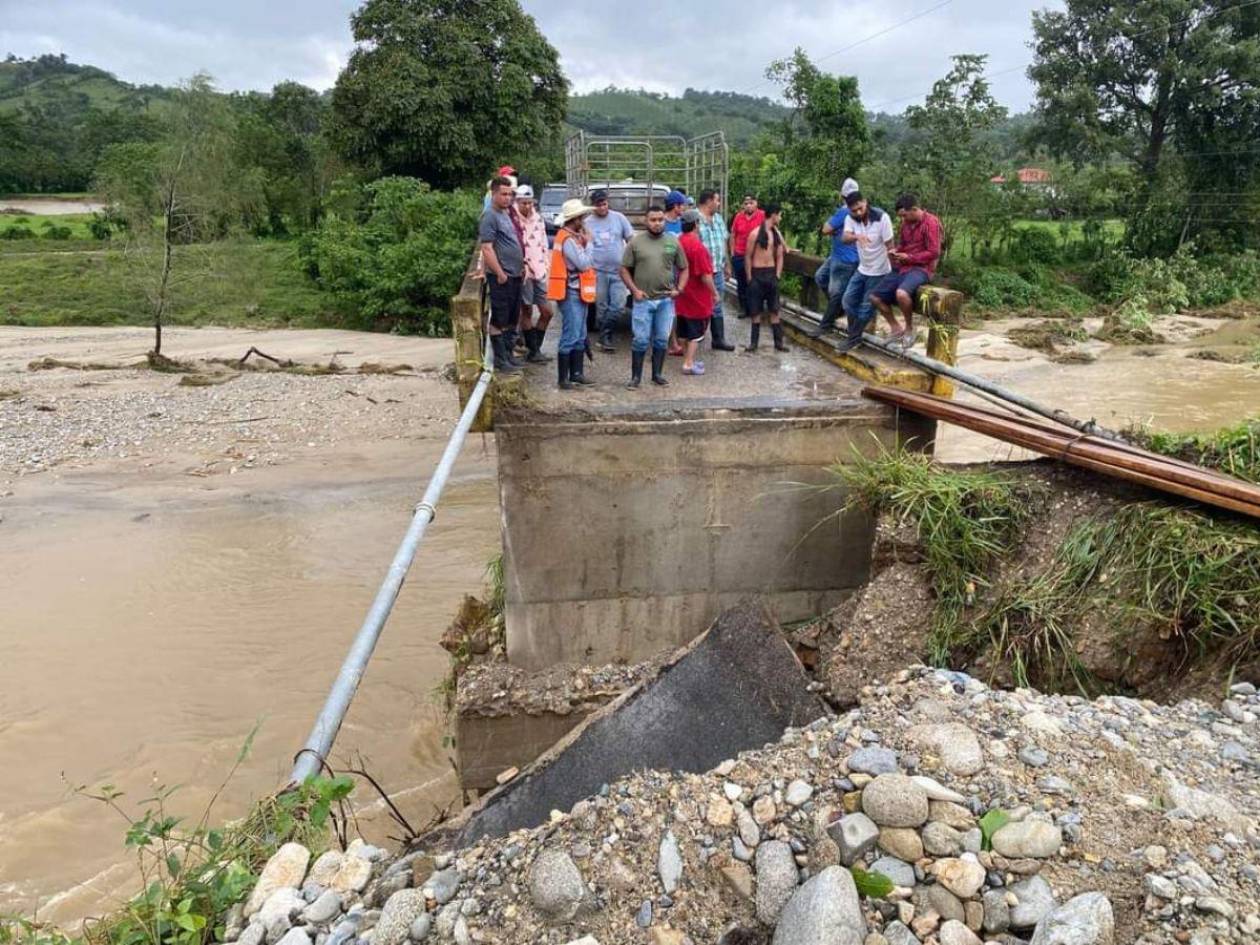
column 1113, row 231
column 1234, row 450
column 246, row 282
column 38, row 226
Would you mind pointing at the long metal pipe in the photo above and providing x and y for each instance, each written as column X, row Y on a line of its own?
column 310, row 760
column 979, row 383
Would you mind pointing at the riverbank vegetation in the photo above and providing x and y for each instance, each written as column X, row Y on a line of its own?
column 1073, row 595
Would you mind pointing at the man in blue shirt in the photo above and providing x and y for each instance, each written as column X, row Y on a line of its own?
column 609, row 231
column 675, row 204
column 834, row 274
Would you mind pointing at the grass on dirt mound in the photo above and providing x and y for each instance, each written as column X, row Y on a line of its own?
column 1234, row 450
column 1150, row 570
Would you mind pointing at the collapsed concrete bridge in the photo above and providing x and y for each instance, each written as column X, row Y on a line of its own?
column 632, row 519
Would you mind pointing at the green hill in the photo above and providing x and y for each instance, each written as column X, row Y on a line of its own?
column 628, row 112
column 51, row 82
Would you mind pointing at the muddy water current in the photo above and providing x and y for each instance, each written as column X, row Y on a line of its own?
column 146, row 632
column 147, row 626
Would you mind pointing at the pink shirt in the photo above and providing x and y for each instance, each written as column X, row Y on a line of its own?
column 533, row 244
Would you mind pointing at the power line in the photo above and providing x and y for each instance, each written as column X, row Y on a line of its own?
column 866, row 39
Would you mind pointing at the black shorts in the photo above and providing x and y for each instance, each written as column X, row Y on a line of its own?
column 505, row 301
column 763, row 291
column 691, row 329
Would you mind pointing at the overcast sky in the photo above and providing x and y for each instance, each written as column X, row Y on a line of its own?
column 659, row 45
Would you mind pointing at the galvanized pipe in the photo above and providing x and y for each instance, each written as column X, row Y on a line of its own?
column 310, row 760
column 1090, row 427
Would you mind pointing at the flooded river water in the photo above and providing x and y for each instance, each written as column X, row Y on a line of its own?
column 147, row 623
column 145, row 632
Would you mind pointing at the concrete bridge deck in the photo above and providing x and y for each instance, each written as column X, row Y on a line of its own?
column 632, row 518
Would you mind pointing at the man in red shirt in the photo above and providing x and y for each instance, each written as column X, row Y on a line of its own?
column 744, row 223
column 914, row 261
column 694, row 304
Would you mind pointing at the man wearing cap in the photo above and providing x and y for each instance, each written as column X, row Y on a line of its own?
column 504, row 264
column 508, row 171
column 648, row 269
column 712, row 232
column 607, row 231
column 696, row 301
column 743, row 223
column 675, row 204
column 532, row 230
column 840, row 265
column 572, row 284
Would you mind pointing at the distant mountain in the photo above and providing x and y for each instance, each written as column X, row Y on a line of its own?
column 636, row 112
column 52, row 82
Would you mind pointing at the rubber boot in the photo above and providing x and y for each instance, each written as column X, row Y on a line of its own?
column 577, row 372
column 533, row 342
column 717, row 341
column 753, row 337
column 501, row 362
column 636, row 369
column 658, row 367
column 562, row 371
column 777, row 329
column 606, row 341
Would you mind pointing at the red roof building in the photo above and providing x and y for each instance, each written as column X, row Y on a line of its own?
column 1027, row 176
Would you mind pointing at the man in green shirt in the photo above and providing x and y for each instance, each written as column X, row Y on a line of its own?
column 647, row 268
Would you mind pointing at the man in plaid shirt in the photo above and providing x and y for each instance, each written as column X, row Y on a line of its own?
column 712, row 230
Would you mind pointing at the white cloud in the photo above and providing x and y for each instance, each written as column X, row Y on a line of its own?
column 658, row 45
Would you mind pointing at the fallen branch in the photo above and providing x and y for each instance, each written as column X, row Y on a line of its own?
column 265, row 356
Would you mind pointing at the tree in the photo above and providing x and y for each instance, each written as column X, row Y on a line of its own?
column 181, row 189
column 1143, row 79
column 823, row 140
column 953, row 154
column 444, row 90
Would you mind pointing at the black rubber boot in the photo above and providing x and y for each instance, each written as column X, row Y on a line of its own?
column 576, row 369
column 777, row 329
column 533, row 341
column 718, row 342
column 502, row 363
column 658, row 367
column 606, row 341
column 753, row 337
column 562, row 372
column 636, row 369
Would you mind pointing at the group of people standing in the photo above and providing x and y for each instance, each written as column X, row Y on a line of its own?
column 867, row 271
column 675, row 272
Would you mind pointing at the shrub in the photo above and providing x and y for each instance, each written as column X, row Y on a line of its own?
column 1001, row 288
column 402, row 259
column 1034, row 245
column 57, row 233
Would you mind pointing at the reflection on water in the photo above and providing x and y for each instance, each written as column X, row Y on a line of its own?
column 144, row 637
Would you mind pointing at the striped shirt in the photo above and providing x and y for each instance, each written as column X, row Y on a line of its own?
column 713, row 235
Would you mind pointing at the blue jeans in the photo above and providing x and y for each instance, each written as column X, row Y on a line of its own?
column 833, row 276
column 572, row 322
column 610, row 299
column 857, row 298
column 719, row 282
column 651, row 321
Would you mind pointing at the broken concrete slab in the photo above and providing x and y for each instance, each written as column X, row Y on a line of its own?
column 735, row 687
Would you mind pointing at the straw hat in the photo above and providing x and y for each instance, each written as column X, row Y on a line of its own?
column 572, row 208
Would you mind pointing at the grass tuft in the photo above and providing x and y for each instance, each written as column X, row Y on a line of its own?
column 1234, row 450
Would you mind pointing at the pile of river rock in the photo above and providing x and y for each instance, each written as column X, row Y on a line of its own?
column 1120, row 822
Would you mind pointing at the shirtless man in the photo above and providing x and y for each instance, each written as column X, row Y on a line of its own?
column 763, row 261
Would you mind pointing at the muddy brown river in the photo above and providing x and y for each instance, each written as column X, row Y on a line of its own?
column 151, row 614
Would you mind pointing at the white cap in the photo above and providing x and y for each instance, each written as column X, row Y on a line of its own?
column 850, row 186
column 524, row 192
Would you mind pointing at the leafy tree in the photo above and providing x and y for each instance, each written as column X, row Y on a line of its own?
column 1141, row 79
column 823, row 140
column 400, row 259
column 282, row 135
column 954, row 154
column 445, row 89
column 183, row 188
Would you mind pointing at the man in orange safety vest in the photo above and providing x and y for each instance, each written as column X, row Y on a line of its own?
column 572, row 284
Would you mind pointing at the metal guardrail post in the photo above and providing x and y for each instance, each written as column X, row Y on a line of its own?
column 310, row 760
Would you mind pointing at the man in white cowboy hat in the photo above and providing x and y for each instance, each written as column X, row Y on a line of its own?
column 532, row 230
column 571, row 283
column 838, row 268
